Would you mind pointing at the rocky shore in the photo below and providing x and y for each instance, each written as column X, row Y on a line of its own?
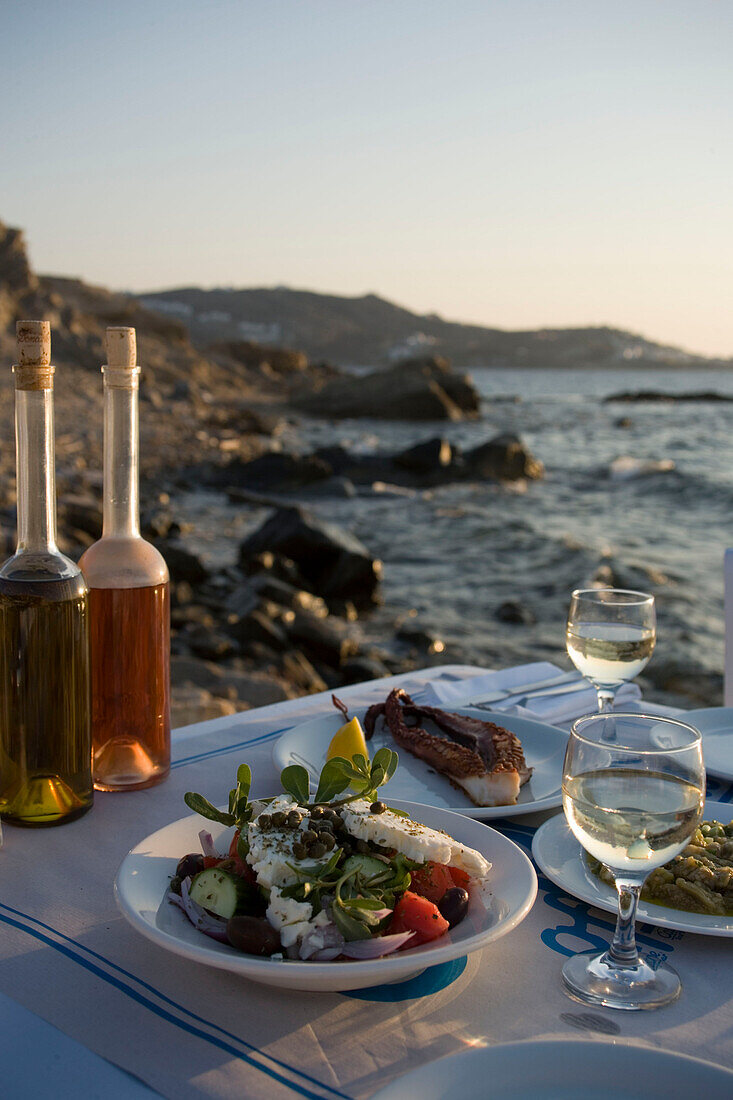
column 286, row 618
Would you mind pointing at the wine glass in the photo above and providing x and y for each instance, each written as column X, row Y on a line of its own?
column 610, row 636
column 633, row 789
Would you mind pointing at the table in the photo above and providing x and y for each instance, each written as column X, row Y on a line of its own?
column 188, row 1031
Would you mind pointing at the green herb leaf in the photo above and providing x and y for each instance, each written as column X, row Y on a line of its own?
column 387, row 760
column 244, row 781
column 242, row 846
column 200, row 805
column 332, row 781
column 349, row 927
column 295, row 781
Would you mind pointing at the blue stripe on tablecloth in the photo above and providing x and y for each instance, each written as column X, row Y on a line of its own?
column 210, row 754
column 44, row 932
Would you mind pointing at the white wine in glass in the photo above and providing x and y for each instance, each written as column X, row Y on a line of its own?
column 633, row 789
column 610, row 637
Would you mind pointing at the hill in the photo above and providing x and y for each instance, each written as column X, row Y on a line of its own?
column 370, row 330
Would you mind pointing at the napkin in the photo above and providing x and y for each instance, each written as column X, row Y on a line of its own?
column 555, row 708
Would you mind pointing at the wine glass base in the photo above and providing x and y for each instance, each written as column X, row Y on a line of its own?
column 596, row 980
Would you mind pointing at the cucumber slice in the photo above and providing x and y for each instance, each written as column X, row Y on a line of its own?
column 218, row 891
column 367, row 866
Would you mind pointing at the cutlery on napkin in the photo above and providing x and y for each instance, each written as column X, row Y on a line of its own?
column 540, row 690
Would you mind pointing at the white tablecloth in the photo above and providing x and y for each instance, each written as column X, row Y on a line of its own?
column 189, row 1031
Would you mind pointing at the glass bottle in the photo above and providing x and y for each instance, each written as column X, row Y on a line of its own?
column 45, row 728
column 129, row 602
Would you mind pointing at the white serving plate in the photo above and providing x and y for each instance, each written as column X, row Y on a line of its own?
column 563, row 1069
column 559, row 856
column 716, row 727
column 145, row 872
column 544, row 750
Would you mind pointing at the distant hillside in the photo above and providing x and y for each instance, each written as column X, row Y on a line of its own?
column 371, row 330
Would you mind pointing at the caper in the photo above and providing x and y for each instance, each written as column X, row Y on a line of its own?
column 330, row 813
column 300, row 851
column 377, row 808
column 315, row 851
column 338, row 822
column 309, row 837
column 328, row 840
column 347, row 850
column 294, row 819
column 264, row 821
column 278, row 819
column 316, row 812
column 362, row 847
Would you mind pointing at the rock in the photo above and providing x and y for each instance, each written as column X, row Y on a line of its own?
column 512, row 611
column 274, row 472
column 159, row 524
column 420, row 637
column 255, row 689
column 263, row 587
column 191, row 704
column 201, row 674
column 81, row 513
column 276, row 565
column 332, row 561
column 425, row 458
column 505, row 458
column 208, row 644
column 300, row 672
column 257, row 627
column 182, row 564
column 657, row 395
column 15, row 270
column 182, row 614
column 361, row 668
column 419, row 389
column 326, row 640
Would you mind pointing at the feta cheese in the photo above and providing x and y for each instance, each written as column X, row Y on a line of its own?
column 271, row 851
column 413, row 840
column 290, row 917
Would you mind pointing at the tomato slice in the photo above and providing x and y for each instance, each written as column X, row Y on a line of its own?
column 431, row 881
column 460, row 878
column 240, row 868
column 416, row 914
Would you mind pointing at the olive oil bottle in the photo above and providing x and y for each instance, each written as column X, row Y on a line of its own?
column 45, row 726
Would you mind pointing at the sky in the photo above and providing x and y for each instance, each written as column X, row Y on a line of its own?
column 516, row 163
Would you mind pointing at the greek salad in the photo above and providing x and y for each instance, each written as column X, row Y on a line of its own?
column 340, row 875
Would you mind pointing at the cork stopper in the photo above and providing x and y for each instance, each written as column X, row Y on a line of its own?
column 33, row 371
column 121, row 368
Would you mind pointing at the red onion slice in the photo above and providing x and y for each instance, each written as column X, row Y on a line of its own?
column 207, row 844
column 376, row 947
column 216, row 927
column 326, row 954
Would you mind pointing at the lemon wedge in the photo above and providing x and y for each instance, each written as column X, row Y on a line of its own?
column 348, row 741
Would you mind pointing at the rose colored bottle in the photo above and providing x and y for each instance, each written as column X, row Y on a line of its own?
column 129, row 608
column 45, row 746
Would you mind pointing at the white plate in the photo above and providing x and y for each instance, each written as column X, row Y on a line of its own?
column 544, row 750
column 145, row 872
column 563, row 1069
column 559, row 856
column 716, row 726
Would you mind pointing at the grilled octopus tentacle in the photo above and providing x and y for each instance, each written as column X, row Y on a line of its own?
column 370, row 719
column 444, row 755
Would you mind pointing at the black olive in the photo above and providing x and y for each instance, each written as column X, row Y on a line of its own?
column 278, row 819
column 253, row 936
column 190, row 865
column 377, row 807
column 453, row 905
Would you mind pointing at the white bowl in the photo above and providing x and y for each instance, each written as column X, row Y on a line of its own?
column 145, row 872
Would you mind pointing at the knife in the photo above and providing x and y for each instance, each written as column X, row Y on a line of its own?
column 530, row 689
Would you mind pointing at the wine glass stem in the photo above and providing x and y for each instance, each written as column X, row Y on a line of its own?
column 622, row 951
column 605, row 699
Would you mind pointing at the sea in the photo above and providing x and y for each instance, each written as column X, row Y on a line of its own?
column 636, row 494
